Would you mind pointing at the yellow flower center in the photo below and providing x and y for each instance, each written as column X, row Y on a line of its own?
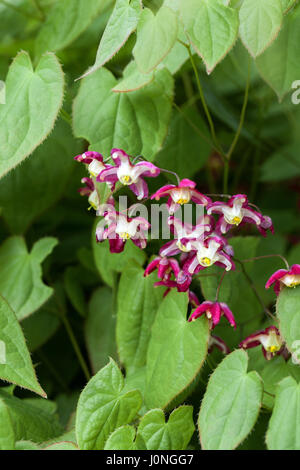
column 182, row 201
column 294, row 284
column 126, row 180
column 236, row 220
column 273, row 349
column 182, row 247
column 124, row 236
column 206, row 261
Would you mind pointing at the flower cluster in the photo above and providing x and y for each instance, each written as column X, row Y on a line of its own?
column 193, row 248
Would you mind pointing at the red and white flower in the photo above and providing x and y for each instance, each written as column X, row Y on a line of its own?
column 213, row 311
column 129, row 174
column 270, row 340
column 285, row 277
column 237, row 211
column 180, row 195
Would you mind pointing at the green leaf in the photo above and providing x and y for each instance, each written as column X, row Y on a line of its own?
column 108, row 264
column 15, row 363
column 30, row 422
column 176, row 352
column 62, row 446
column 273, row 372
column 183, row 140
column 66, row 21
column 21, row 274
column 282, row 165
column 176, row 58
column 231, row 404
column 211, row 27
column 287, row 5
column 122, row 438
column 260, row 23
column 26, row 445
column 37, row 184
column 121, row 24
column 33, row 99
column 138, row 302
column 41, row 326
column 288, row 312
column 7, row 433
column 279, row 65
column 136, row 122
column 103, row 406
column 284, row 426
column 175, row 434
column 133, row 79
column 74, row 290
column 100, row 328
column 156, row 35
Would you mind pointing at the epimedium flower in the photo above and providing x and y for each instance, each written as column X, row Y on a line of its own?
column 287, row 277
column 237, row 211
column 180, row 195
column 129, row 174
column 217, row 342
column 207, row 253
column 213, row 311
column 118, row 228
column 94, row 162
column 182, row 282
column 270, row 340
column 165, row 267
column 183, row 235
column 90, row 191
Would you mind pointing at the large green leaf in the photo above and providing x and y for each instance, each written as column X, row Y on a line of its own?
column 33, row 99
column 31, row 188
column 282, row 165
column 260, row 22
column 15, row 363
column 133, row 79
column 122, row 438
column 109, row 264
column 29, row 421
column 100, row 328
column 138, row 302
column 66, row 21
column 183, row 141
column 7, row 433
column 211, row 27
column 136, row 122
column 121, row 24
column 176, row 352
column 284, row 426
column 231, row 404
column 288, row 312
column 156, row 35
column 103, row 406
column 279, row 65
column 21, row 274
column 175, row 434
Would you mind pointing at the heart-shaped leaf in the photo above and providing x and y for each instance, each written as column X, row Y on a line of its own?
column 231, row 404
column 36, row 93
column 156, row 35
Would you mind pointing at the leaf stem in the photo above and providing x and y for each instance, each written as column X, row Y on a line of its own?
column 75, row 346
column 202, row 98
column 253, row 287
column 267, row 256
column 238, row 132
